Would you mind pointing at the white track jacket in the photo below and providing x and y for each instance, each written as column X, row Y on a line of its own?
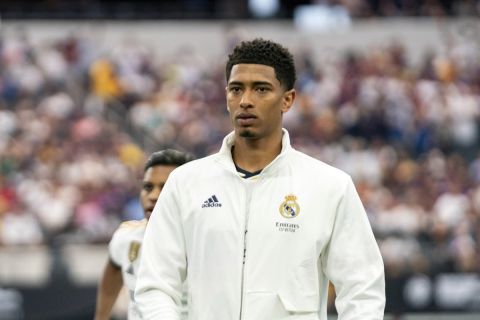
column 263, row 248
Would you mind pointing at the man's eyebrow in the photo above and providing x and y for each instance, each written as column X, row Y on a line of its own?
column 254, row 83
column 235, row 83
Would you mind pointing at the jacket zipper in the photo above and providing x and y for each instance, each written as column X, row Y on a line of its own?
column 245, row 231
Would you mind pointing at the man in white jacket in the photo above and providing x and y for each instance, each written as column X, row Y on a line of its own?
column 259, row 229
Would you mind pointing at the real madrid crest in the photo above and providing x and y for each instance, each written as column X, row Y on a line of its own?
column 289, row 208
column 133, row 251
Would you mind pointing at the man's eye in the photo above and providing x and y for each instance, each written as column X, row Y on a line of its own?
column 262, row 89
column 148, row 187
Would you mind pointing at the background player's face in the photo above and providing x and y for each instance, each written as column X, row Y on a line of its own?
column 153, row 181
column 256, row 100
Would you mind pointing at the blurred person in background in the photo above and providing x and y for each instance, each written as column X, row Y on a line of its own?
column 124, row 247
column 260, row 228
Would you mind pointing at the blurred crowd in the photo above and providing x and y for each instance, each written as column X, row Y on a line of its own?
column 408, row 134
column 240, row 9
column 63, row 168
column 407, row 8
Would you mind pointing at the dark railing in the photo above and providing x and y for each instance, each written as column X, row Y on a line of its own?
column 116, row 112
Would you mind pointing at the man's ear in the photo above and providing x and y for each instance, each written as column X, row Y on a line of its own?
column 288, row 99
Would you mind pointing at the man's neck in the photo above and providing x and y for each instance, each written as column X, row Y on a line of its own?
column 255, row 154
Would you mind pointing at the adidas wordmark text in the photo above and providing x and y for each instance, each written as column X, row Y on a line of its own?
column 211, row 202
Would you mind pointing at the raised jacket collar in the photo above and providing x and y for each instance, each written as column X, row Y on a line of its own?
column 224, row 156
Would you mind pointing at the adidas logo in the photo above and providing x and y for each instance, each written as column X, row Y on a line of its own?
column 211, row 202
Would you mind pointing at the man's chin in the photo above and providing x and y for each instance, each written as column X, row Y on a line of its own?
column 246, row 133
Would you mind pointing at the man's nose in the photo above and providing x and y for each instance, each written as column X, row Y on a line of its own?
column 246, row 101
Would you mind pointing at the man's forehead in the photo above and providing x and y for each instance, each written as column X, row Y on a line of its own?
column 252, row 72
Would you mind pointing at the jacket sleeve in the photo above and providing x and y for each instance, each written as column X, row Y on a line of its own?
column 353, row 263
column 163, row 261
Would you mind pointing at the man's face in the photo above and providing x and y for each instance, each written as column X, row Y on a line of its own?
column 256, row 100
column 153, row 181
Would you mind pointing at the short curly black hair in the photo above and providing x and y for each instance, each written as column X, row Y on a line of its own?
column 266, row 52
column 168, row 157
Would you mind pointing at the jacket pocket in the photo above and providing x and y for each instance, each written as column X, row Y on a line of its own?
column 263, row 305
column 300, row 303
column 270, row 306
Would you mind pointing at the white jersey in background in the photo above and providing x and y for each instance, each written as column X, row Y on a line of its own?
column 124, row 252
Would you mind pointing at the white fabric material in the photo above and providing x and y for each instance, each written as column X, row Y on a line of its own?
column 124, row 251
column 288, row 261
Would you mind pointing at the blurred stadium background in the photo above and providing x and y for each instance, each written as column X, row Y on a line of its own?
column 389, row 91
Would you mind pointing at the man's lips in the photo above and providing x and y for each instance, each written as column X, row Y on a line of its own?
column 246, row 119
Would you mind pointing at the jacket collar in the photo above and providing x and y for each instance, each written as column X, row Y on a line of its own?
column 224, row 156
